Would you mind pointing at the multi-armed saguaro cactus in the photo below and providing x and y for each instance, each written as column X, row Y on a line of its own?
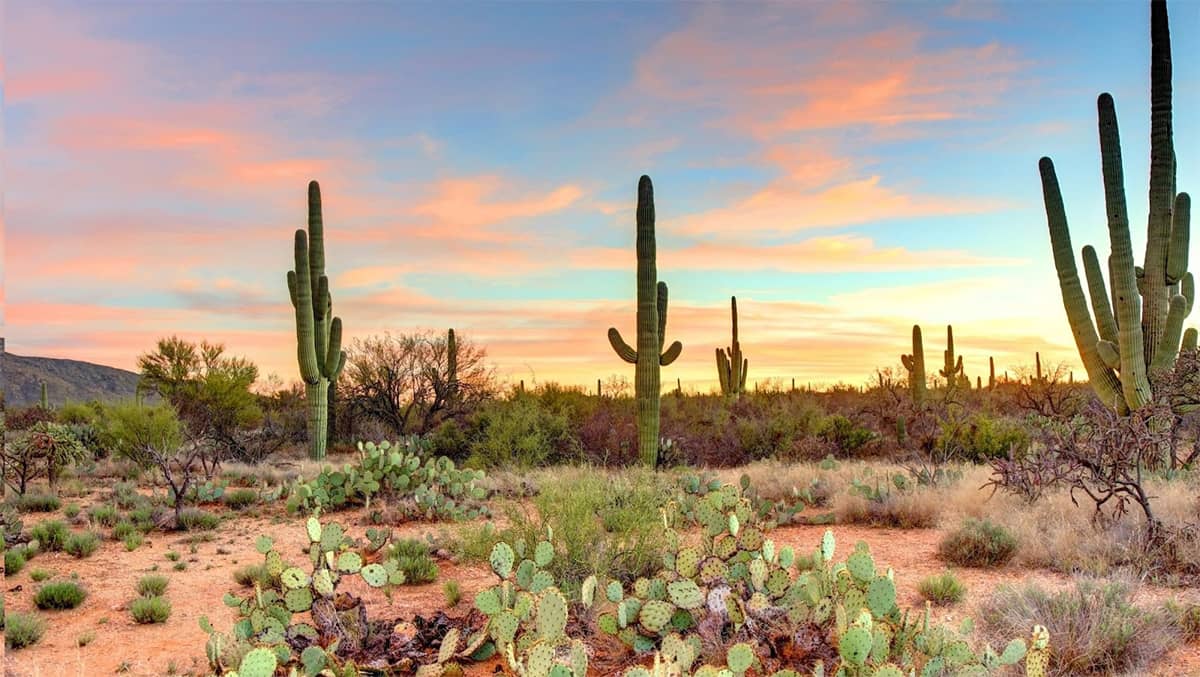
column 318, row 333
column 1137, row 330
column 951, row 370
column 915, row 364
column 731, row 366
column 651, row 329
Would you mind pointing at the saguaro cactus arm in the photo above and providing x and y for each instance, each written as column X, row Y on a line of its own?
column 621, row 347
column 668, row 356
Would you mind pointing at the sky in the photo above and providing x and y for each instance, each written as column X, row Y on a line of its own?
column 845, row 169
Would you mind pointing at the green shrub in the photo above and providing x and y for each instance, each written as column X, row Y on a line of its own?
column 194, row 519
column 60, row 595
column 520, row 433
column 22, row 630
column 978, row 544
column 123, row 529
column 14, row 561
column 71, row 511
column 133, row 541
column 943, row 588
column 50, row 535
column 82, row 544
column 412, row 557
column 981, row 438
column 846, row 435
column 37, row 503
column 240, row 499
column 250, row 574
column 452, row 592
column 155, row 609
column 151, row 586
column 39, row 575
column 1096, row 629
column 172, row 555
column 104, row 514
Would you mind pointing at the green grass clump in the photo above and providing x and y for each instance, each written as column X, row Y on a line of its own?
column 943, row 588
column 39, row 575
column 248, row 575
column 240, row 499
column 37, row 503
column 60, row 595
column 14, row 561
column 105, row 515
column 180, row 566
column 453, row 593
column 978, row 543
column 122, row 529
column 195, row 519
column 22, row 630
column 172, row 555
column 412, row 557
column 155, row 609
column 151, row 586
column 133, row 541
column 50, row 535
column 82, row 544
column 71, row 511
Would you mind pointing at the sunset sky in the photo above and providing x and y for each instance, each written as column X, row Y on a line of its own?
column 845, row 169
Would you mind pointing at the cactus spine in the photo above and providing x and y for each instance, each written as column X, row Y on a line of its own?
column 951, row 370
column 731, row 366
column 915, row 364
column 1139, row 322
column 651, row 329
column 318, row 333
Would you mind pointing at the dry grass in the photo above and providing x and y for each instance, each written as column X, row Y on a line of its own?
column 1095, row 627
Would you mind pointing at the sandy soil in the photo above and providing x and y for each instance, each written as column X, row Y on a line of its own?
column 177, row 646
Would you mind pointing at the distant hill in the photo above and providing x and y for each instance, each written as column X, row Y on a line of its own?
column 65, row 380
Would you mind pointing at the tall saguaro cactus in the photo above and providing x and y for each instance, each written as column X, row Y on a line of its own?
column 1139, row 322
column 991, row 373
column 651, row 329
column 915, row 364
column 452, row 364
column 731, row 366
column 318, row 333
column 951, row 370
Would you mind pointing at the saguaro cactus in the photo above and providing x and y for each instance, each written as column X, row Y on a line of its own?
column 915, row 364
column 318, row 333
column 651, row 329
column 1139, row 323
column 452, row 365
column 951, row 370
column 45, row 397
column 731, row 366
column 991, row 373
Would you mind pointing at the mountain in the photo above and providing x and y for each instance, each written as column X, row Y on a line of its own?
column 65, row 380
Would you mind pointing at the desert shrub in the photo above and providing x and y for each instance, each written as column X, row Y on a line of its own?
column 607, row 525
column 452, row 591
column 250, row 574
column 608, row 433
column 50, row 535
column 44, row 450
column 122, row 529
column 154, row 609
column 1096, row 628
column 194, row 519
column 71, row 511
column 978, row 543
column 413, row 558
column 81, row 544
column 151, row 586
column 981, row 438
column 1187, row 617
column 918, row 509
column 943, row 588
column 104, row 515
column 39, row 575
column 60, row 595
column 520, row 433
column 22, row 630
column 844, row 434
column 240, row 499
column 449, row 440
column 36, row 502
column 14, row 561
column 133, row 541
